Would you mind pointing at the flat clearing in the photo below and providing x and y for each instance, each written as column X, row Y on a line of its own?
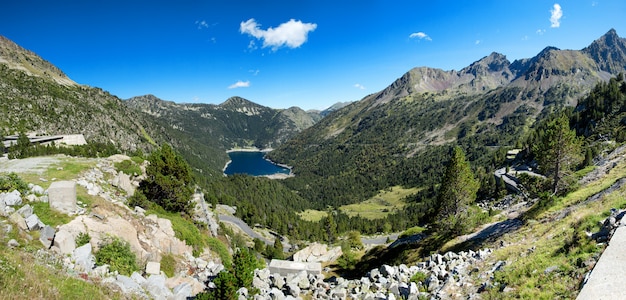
column 312, row 215
column 381, row 205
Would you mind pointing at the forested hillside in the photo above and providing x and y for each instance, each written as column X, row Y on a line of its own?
column 403, row 135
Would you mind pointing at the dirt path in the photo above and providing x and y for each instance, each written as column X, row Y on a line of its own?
column 36, row 165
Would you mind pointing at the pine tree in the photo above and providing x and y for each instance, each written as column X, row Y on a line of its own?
column 169, row 180
column 458, row 190
column 558, row 152
column 330, row 226
column 244, row 264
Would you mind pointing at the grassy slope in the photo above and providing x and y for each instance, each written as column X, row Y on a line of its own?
column 549, row 255
column 381, row 205
column 45, row 278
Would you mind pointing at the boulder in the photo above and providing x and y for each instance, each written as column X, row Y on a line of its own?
column 155, row 285
column 25, row 211
column 33, row 222
column 124, row 183
column 83, row 258
column 128, row 285
column 62, row 196
column 12, row 198
column 153, row 268
column 18, row 220
column 46, row 236
column 65, row 242
column 37, row 190
column 13, row 243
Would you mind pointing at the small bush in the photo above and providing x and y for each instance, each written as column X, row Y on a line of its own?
column 82, row 239
column 117, row 254
column 418, row 277
column 12, row 182
column 128, row 167
column 168, row 265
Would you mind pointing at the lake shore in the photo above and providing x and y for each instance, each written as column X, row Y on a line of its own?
column 250, row 149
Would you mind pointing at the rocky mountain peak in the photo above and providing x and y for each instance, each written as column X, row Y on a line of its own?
column 16, row 57
column 609, row 52
column 235, row 103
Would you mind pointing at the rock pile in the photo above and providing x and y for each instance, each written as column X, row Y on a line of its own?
column 317, row 252
column 440, row 275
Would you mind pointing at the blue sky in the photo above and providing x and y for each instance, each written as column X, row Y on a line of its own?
column 289, row 53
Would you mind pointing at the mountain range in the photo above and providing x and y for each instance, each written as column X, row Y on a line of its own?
column 398, row 136
column 402, row 134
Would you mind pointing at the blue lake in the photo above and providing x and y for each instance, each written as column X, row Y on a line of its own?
column 252, row 163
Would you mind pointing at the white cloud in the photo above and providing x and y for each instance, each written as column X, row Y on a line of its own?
column 420, row 35
column 202, row 24
column 240, row 84
column 254, row 72
column 290, row 34
column 525, row 38
column 359, row 86
column 555, row 16
column 540, row 31
column 477, row 42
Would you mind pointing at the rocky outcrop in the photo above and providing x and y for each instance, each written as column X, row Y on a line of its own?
column 441, row 276
column 317, row 252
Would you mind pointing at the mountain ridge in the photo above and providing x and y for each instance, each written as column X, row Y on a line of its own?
column 482, row 107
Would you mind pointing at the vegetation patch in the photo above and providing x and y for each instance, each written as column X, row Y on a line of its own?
column 312, row 215
column 381, row 205
column 129, row 167
column 49, row 216
column 116, row 253
column 168, row 265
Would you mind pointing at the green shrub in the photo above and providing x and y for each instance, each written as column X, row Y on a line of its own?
column 11, row 181
column 128, row 167
column 168, row 265
column 82, row 239
column 117, row 254
column 418, row 277
column 347, row 261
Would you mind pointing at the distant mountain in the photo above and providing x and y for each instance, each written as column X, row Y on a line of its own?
column 400, row 135
column 236, row 122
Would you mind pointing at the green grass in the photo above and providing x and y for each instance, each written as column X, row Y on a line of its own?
column 312, row 215
column 66, row 169
column 560, row 244
column 187, row 231
column 168, row 265
column 23, row 277
column 49, row 216
column 412, row 231
column 381, row 205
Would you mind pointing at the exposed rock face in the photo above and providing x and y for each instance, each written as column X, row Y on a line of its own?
column 317, row 252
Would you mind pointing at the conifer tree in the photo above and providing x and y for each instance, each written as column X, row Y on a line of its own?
column 558, row 152
column 169, row 180
column 458, row 190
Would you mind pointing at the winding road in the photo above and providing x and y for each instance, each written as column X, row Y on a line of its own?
column 371, row 241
